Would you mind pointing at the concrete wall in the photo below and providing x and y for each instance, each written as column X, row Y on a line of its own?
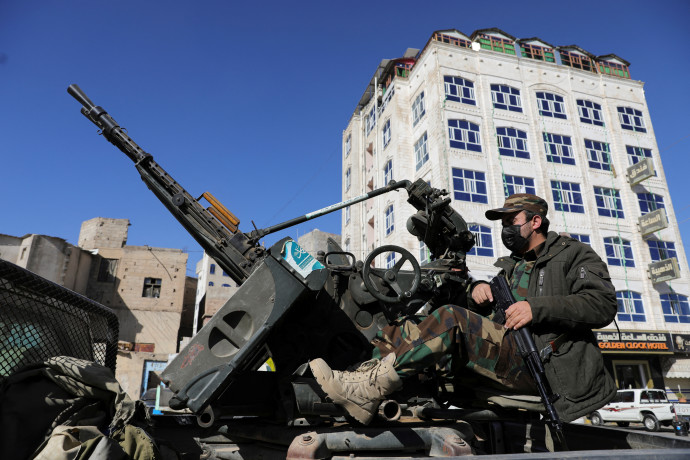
column 102, row 232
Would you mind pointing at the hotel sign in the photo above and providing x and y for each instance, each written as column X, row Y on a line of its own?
column 681, row 343
column 634, row 342
column 653, row 221
column 664, row 270
column 640, row 171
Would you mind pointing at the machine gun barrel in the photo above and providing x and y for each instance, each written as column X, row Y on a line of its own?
column 530, row 355
column 215, row 228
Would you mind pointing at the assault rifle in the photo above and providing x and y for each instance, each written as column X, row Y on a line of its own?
column 530, row 355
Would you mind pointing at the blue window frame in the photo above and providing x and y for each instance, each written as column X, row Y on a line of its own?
column 421, row 152
column 567, row 196
column 390, row 260
column 424, row 254
column 631, row 119
column 459, row 90
column 505, row 97
column 418, row 109
column 210, row 283
column 609, row 202
column 212, row 270
column 388, row 172
column 225, row 285
column 469, row 186
column 483, row 242
column 581, row 237
column 675, row 308
column 590, row 112
column 630, row 306
column 660, row 250
column 389, row 220
column 618, row 252
column 650, row 202
column 637, row 154
column 518, row 184
column 464, row 135
column 225, row 273
column 559, row 149
column 512, row 142
column 386, row 133
column 598, row 154
column 550, row 105
column 348, row 144
column 370, row 120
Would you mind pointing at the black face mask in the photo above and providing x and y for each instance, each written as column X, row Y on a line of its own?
column 512, row 239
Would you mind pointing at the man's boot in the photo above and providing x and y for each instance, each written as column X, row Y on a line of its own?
column 359, row 391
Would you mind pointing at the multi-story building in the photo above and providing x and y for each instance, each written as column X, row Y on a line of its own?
column 487, row 115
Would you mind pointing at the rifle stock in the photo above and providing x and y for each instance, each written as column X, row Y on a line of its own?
column 530, row 355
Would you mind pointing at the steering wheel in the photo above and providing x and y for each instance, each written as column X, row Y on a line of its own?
column 389, row 276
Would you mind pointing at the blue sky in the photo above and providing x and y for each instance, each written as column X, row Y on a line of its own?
column 248, row 100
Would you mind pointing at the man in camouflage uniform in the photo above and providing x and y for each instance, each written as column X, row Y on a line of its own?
column 570, row 294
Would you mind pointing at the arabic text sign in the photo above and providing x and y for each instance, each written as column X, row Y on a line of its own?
column 664, row 270
column 640, row 171
column 634, row 342
column 653, row 221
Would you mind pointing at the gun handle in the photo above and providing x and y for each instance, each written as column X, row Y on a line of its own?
column 76, row 92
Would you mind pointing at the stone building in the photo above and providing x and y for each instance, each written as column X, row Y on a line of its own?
column 316, row 241
column 486, row 115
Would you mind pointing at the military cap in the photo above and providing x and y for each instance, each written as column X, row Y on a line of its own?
column 519, row 202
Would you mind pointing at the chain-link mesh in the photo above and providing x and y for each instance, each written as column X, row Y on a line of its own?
column 40, row 319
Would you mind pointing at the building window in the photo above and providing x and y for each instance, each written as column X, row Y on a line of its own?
column 452, row 40
column 152, row 287
column 347, row 214
column 537, row 52
column 512, row 142
column 675, row 308
column 518, row 184
column 637, row 154
column 386, row 133
column 582, row 238
column 225, row 285
column 347, row 245
column 225, row 273
column 464, row 135
column 559, row 149
column 348, row 179
column 609, row 202
column 506, row 98
column 612, row 68
column 650, row 202
column 390, row 260
column 599, row 155
column 348, row 144
column 502, row 45
column 618, row 252
column 567, row 196
column 630, row 306
column 107, row 270
column 469, row 186
column 388, row 172
column 424, row 254
column 389, row 220
column 418, row 109
column 631, row 119
column 660, row 250
column 459, row 90
column 577, row 61
column 212, row 269
column 210, row 283
column 590, row 112
column 483, row 243
column 421, row 152
column 550, row 105
column 370, row 120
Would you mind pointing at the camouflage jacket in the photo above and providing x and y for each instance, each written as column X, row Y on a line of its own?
column 570, row 292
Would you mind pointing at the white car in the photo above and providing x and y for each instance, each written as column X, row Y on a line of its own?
column 651, row 407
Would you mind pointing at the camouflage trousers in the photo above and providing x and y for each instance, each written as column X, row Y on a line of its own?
column 470, row 340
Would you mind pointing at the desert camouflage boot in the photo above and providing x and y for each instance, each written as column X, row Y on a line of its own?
column 360, row 391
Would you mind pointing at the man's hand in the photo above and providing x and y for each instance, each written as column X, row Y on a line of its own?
column 481, row 294
column 517, row 315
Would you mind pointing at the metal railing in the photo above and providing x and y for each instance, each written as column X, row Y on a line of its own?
column 40, row 319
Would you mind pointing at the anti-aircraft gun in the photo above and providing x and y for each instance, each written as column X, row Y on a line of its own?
column 292, row 307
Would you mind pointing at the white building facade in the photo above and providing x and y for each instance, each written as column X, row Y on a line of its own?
column 487, row 115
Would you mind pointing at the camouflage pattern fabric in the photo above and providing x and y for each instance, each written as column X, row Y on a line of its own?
column 480, row 345
column 519, row 282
